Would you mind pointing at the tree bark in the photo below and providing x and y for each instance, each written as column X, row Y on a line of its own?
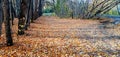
column 118, row 9
column 11, row 10
column 1, row 17
column 7, row 23
column 21, row 22
column 35, row 14
column 40, row 8
column 32, row 20
column 28, row 15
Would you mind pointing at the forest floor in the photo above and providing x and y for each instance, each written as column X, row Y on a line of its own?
column 55, row 37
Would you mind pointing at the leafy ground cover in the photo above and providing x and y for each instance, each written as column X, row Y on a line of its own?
column 55, row 37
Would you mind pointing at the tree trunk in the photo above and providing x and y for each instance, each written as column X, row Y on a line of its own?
column 11, row 10
column 118, row 9
column 40, row 8
column 1, row 17
column 35, row 15
column 28, row 17
column 32, row 19
column 7, row 23
column 23, row 8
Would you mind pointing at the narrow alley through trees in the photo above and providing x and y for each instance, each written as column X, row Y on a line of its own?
column 52, row 36
column 59, row 28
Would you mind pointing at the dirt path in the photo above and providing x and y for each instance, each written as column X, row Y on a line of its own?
column 54, row 37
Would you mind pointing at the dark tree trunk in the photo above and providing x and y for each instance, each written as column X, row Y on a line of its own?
column 32, row 20
column 35, row 15
column 1, row 17
column 40, row 8
column 11, row 11
column 7, row 23
column 17, row 7
column 28, row 17
column 23, row 8
column 13, row 15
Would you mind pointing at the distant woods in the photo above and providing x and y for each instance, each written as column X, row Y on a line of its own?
column 25, row 10
column 118, row 9
column 85, row 9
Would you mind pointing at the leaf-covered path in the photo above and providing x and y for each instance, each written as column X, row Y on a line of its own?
column 55, row 37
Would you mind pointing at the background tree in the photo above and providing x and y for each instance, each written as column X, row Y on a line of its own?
column 118, row 9
column 11, row 10
column 85, row 9
column 22, row 14
column 1, row 17
column 29, row 14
